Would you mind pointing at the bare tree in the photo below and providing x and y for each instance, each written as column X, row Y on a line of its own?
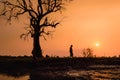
column 38, row 11
column 87, row 52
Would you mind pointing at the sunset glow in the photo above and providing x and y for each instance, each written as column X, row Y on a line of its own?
column 97, row 44
column 82, row 23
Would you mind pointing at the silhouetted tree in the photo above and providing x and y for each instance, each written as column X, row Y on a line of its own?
column 88, row 52
column 47, row 56
column 119, row 56
column 39, row 12
column 71, row 51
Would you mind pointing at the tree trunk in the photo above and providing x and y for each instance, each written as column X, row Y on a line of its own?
column 37, row 51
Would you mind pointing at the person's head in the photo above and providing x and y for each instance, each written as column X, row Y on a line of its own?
column 71, row 46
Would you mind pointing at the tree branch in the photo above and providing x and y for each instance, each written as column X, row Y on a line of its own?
column 48, row 23
column 43, row 33
column 38, row 14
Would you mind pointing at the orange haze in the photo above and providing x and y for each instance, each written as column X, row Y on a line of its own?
column 84, row 23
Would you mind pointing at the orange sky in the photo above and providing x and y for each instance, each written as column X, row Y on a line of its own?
column 85, row 23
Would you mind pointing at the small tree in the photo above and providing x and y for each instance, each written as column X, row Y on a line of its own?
column 118, row 56
column 87, row 52
column 39, row 12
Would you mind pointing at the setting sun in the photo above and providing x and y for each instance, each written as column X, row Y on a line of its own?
column 97, row 44
column 83, row 23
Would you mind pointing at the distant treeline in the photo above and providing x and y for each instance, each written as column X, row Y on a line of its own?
column 9, row 56
column 47, row 56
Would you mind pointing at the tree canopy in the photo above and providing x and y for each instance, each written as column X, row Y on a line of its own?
column 39, row 17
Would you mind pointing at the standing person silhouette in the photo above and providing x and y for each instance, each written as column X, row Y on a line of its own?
column 71, row 51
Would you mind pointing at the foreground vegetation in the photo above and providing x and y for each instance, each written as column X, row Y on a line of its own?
column 19, row 66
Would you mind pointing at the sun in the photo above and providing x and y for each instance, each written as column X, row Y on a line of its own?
column 97, row 44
